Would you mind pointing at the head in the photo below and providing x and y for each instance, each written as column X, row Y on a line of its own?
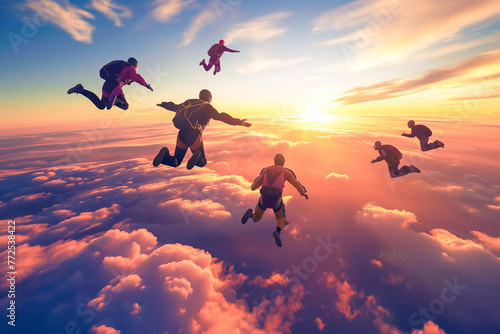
column 221, row 42
column 411, row 124
column 279, row 159
column 205, row 95
column 132, row 61
column 377, row 146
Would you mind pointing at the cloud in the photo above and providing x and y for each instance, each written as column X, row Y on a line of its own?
column 167, row 9
column 103, row 329
column 258, row 29
column 338, row 176
column 111, row 11
column 376, row 31
column 204, row 18
column 430, row 261
column 178, row 286
column 402, row 87
column 66, row 16
column 429, row 328
column 265, row 64
column 319, row 323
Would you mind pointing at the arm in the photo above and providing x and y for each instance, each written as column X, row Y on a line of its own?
column 134, row 76
column 169, row 106
column 290, row 177
column 258, row 181
column 225, row 48
column 380, row 158
column 411, row 135
column 226, row 118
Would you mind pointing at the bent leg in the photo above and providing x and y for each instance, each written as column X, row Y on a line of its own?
column 423, row 144
column 258, row 212
column 207, row 67
column 121, row 102
column 281, row 220
column 94, row 99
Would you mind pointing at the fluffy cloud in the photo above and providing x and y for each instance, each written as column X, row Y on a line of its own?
column 258, row 29
column 204, row 18
column 167, row 9
column 435, row 260
column 111, row 10
column 376, row 31
column 402, row 87
column 173, row 286
column 337, row 176
column 65, row 15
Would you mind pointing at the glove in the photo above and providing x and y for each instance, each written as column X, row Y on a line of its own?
column 243, row 123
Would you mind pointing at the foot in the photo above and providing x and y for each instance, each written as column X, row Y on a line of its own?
column 246, row 216
column 277, row 239
column 77, row 89
column 202, row 62
column 159, row 157
column 111, row 102
column 415, row 169
column 193, row 160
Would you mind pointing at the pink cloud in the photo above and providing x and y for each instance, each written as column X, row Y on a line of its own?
column 336, row 175
column 402, row 87
column 276, row 278
column 429, row 328
column 319, row 323
column 103, row 329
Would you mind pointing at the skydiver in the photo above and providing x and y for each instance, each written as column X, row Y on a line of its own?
column 391, row 155
column 191, row 118
column 272, row 179
column 422, row 133
column 215, row 52
column 116, row 74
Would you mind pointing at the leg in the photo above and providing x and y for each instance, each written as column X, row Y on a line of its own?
column 259, row 211
column 121, row 102
column 217, row 67
column 205, row 66
column 198, row 157
column 99, row 103
column 423, row 144
column 281, row 220
column 393, row 169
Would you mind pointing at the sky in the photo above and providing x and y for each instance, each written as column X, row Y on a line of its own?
column 107, row 243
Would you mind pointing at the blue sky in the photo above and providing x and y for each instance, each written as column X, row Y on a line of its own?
column 290, row 51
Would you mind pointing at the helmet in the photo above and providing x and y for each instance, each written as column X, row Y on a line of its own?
column 377, row 145
column 411, row 124
column 132, row 61
column 221, row 42
column 279, row 159
column 205, row 95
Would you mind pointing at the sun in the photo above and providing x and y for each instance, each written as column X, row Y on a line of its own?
column 313, row 113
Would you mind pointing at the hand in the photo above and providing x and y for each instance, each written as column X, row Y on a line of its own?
column 149, row 87
column 403, row 134
column 163, row 105
column 243, row 123
column 374, row 161
column 305, row 195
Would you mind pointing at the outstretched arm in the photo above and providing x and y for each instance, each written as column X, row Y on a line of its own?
column 169, row 106
column 290, row 177
column 258, row 181
column 226, row 118
column 134, row 76
column 225, row 48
